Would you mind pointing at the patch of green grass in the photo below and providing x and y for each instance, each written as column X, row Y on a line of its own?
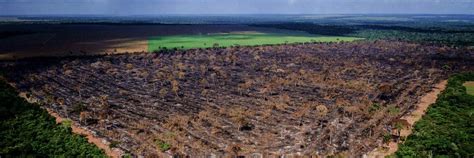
column 162, row 145
column 393, row 110
column 446, row 130
column 233, row 39
column 67, row 123
column 26, row 130
column 469, row 87
column 374, row 107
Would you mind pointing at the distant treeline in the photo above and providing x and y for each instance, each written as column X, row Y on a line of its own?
column 442, row 34
column 331, row 30
column 120, row 23
column 6, row 34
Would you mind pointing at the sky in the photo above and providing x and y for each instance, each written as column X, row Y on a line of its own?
column 160, row 7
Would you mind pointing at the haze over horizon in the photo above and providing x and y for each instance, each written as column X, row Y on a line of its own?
column 160, row 7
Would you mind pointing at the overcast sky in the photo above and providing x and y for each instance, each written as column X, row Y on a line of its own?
column 142, row 7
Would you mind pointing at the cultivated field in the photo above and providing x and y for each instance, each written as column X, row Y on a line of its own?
column 32, row 40
column 237, row 39
column 313, row 98
column 29, row 40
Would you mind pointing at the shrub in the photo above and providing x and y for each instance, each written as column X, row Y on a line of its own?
column 162, row 146
column 374, row 107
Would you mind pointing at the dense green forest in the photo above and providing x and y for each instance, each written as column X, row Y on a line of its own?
column 447, row 129
column 26, row 130
column 464, row 39
column 457, row 35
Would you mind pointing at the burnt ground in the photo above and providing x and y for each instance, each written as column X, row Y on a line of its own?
column 312, row 99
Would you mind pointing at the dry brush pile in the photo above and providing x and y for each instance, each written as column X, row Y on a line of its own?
column 312, row 99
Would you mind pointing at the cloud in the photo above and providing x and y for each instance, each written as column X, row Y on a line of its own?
column 132, row 7
column 291, row 2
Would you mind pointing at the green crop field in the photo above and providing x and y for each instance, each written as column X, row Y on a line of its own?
column 232, row 39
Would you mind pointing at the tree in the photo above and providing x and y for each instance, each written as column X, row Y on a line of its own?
column 144, row 74
column 104, row 106
column 84, row 117
column 60, row 101
column 203, row 69
column 204, row 93
column 244, row 86
column 180, row 66
column 400, row 124
column 256, row 57
column 240, row 116
column 285, row 98
column 321, row 110
column 160, row 76
column 181, row 75
column 163, row 91
column 203, row 82
column 129, row 66
column 175, row 87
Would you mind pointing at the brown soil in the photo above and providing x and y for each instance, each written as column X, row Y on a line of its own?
column 411, row 118
column 117, row 46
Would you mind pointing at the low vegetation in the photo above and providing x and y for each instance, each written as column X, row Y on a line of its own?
column 447, row 128
column 27, row 130
column 236, row 39
column 458, row 35
column 462, row 38
column 469, row 87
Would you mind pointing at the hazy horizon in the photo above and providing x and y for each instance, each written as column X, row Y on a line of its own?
column 226, row 7
column 217, row 14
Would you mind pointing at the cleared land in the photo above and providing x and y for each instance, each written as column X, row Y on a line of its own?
column 411, row 118
column 30, row 40
column 315, row 99
column 236, row 39
column 469, row 87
